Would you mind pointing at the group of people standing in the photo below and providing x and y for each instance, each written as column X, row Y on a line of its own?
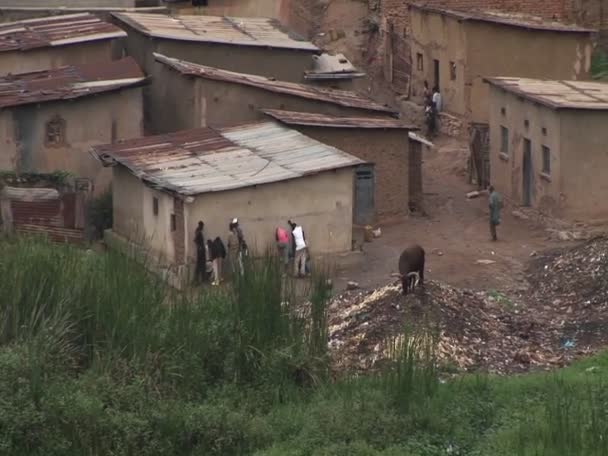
column 210, row 254
column 432, row 107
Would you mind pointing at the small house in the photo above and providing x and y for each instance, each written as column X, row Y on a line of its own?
column 188, row 95
column 246, row 45
column 455, row 50
column 396, row 174
column 263, row 173
column 51, row 118
column 548, row 145
column 53, row 42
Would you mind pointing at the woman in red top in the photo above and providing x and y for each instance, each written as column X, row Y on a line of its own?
column 282, row 238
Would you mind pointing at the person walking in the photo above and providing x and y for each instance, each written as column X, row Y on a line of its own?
column 300, row 248
column 200, row 273
column 437, row 100
column 217, row 253
column 495, row 204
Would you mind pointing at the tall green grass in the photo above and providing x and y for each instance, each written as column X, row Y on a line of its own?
column 97, row 309
column 100, row 357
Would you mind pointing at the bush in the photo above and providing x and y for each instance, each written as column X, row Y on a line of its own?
column 99, row 214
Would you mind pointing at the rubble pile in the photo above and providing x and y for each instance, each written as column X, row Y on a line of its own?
column 572, row 286
column 561, row 316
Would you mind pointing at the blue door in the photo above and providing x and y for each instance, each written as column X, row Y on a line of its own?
column 364, row 195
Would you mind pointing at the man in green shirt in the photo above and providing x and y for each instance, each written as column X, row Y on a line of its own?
column 495, row 204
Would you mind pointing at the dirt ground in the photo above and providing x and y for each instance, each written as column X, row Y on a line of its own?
column 454, row 232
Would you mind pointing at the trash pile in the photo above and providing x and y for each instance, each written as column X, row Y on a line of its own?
column 571, row 285
column 560, row 317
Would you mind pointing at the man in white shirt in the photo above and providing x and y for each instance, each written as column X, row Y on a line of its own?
column 437, row 102
column 300, row 248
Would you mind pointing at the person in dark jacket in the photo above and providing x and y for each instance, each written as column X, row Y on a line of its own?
column 200, row 274
column 217, row 253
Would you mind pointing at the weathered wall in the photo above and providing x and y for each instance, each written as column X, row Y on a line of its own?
column 282, row 64
column 47, row 58
column 387, row 149
column 441, row 38
column 127, row 193
column 507, row 170
column 134, row 217
column 89, row 121
column 172, row 102
column 584, row 137
column 321, row 203
column 179, row 102
column 483, row 49
column 8, row 153
column 498, row 50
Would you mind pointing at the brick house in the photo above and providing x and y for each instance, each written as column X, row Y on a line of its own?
column 51, row 118
column 548, row 145
column 187, row 95
column 53, row 42
column 385, row 143
column 263, row 173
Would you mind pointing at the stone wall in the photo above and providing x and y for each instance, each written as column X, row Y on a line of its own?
column 451, row 125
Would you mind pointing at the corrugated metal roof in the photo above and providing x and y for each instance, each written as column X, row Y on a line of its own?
column 339, row 97
column 241, row 31
column 55, row 31
column 329, row 67
column 509, row 19
column 557, row 94
column 205, row 160
column 69, row 82
column 323, row 120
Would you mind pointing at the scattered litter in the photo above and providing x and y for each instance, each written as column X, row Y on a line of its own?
column 352, row 285
column 377, row 233
column 520, row 215
column 485, row 262
column 592, row 369
column 559, row 316
column 568, row 344
column 474, row 194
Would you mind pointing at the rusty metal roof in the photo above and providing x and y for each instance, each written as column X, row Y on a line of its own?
column 69, row 82
column 323, row 120
column 338, row 97
column 241, row 31
column 55, row 31
column 557, row 94
column 509, row 19
column 206, row 160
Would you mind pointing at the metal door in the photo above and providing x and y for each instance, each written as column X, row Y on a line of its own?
column 527, row 170
column 364, row 195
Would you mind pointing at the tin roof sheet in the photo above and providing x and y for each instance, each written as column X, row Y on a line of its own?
column 55, row 31
column 339, row 97
column 69, row 82
column 509, row 19
column 241, row 31
column 323, row 120
column 557, row 94
column 206, row 160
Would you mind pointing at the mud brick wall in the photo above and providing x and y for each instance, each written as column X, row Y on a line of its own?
column 396, row 11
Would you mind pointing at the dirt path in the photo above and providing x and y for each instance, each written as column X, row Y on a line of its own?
column 454, row 233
